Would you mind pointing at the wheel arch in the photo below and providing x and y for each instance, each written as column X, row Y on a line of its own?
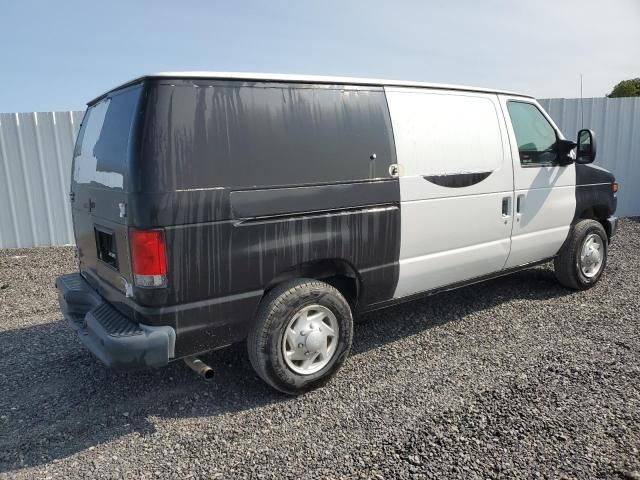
column 337, row 272
column 600, row 213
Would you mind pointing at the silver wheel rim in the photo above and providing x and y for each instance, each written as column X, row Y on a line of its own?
column 310, row 340
column 592, row 255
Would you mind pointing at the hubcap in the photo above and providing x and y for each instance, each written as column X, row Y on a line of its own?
column 310, row 340
column 592, row 255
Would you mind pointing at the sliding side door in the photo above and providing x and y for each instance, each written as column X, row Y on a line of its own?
column 456, row 186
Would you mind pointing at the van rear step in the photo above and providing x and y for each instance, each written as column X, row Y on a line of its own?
column 116, row 340
column 112, row 322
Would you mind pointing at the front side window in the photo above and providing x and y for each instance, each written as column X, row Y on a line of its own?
column 535, row 136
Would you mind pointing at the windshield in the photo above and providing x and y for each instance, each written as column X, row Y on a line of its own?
column 102, row 150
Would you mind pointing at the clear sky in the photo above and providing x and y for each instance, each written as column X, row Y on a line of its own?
column 57, row 55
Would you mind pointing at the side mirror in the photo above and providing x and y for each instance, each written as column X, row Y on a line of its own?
column 566, row 153
column 586, row 151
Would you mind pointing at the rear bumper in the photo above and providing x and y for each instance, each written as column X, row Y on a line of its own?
column 116, row 340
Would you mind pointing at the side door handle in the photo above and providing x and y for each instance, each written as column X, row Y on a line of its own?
column 519, row 205
column 506, row 208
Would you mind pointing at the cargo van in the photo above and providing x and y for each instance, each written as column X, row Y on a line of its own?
column 215, row 208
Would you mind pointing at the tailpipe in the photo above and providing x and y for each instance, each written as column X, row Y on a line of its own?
column 198, row 366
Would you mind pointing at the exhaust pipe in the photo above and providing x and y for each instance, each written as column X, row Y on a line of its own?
column 198, row 366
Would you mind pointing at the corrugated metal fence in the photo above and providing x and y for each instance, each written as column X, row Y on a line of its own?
column 36, row 151
column 35, row 170
column 616, row 122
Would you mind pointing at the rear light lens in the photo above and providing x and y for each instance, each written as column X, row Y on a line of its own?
column 148, row 258
column 614, row 187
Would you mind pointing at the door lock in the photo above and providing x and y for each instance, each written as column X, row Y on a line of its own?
column 396, row 170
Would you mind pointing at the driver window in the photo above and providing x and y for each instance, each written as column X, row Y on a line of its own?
column 535, row 136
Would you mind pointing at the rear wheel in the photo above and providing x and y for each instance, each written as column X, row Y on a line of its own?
column 301, row 336
column 583, row 257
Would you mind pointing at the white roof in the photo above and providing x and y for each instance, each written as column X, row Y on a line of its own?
column 284, row 77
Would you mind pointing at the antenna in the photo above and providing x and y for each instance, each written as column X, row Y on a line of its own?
column 581, row 107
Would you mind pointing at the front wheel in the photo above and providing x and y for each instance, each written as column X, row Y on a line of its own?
column 583, row 257
column 301, row 336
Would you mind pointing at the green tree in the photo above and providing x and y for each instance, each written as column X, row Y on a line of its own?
column 626, row 88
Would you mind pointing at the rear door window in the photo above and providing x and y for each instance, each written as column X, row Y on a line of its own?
column 102, row 149
column 212, row 136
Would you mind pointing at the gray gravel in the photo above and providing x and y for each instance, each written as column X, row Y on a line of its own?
column 515, row 378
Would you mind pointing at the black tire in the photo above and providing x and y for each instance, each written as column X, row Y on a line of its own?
column 567, row 264
column 277, row 308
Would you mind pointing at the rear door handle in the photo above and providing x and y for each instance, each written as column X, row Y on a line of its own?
column 520, row 203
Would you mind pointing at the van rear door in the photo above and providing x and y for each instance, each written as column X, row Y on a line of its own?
column 99, row 186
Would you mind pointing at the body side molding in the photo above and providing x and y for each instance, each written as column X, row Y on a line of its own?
column 457, row 180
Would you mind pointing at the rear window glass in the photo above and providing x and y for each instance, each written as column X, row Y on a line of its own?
column 102, row 149
column 207, row 136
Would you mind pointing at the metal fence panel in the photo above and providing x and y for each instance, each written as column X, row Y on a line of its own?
column 616, row 123
column 36, row 151
column 35, row 169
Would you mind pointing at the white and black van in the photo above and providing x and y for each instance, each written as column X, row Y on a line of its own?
column 214, row 208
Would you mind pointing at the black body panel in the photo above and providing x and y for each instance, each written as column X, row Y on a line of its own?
column 282, row 201
column 149, row 210
column 594, row 195
column 232, row 262
column 250, row 182
column 205, row 134
column 214, row 152
column 218, row 270
column 592, row 174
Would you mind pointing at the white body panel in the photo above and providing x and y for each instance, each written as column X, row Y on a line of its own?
column 450, row 234
column 548, row 202
column 445, row 249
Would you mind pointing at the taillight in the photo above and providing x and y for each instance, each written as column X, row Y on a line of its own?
column 148, row 258
column 614, row 187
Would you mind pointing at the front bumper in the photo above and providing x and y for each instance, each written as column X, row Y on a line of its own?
column 613, row 227
column 113, row 338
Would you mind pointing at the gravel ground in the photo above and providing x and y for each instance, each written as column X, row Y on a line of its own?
column 514, row 378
